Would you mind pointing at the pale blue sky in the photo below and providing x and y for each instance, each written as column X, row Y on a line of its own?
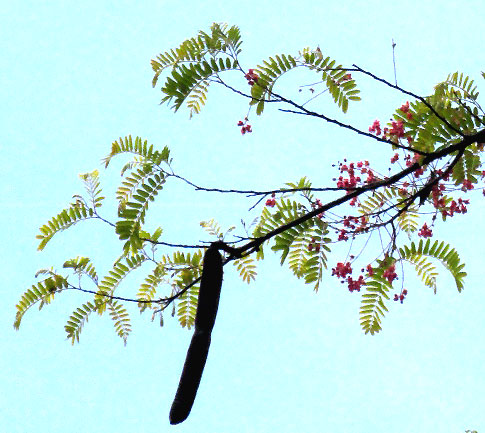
column 75, row 76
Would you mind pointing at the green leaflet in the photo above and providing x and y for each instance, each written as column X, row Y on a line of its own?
column 455, row 101
column 121, row 319
column 287, row 211
column 197, row 98
column 112, row 280
column 213, row 228
column 386, row 199
column 294, row 243
column 80, row 316
column 303, row 183
column 221, row 40
column 467, row 167
column 441, row 251
column 376, row 293
column 457, row 87
column 140, row 148
column 138, row 188
column 409, row 220
column 78, row 211
column 377, row 287
column 185, row 268
column 317, row 259
column 268, row 73
column 193, row 64
column 138, row 183
column 379, row 199
column 91, row 183
column 199, row 60
column 341, row 89
column 76, row 321
column 41, row 293
column 102, row 299
column 306, row 263
column 148, row 289
column 246, row 268
column 133, row 212
column 244, row 265
column 65, row 219
column 425, row 269
column 267, row 223
column 187, row 307
column 82, row 266
column 187, row 304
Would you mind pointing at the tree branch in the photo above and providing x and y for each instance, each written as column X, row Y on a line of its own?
column 407, row 92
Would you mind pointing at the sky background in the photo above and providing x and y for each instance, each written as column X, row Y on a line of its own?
column 76, row 75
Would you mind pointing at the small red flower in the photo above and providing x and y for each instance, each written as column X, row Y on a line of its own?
column 252, row 77
column 270, row 202
column 425, row 231
column 245, row 126
column 342, row 269
column 390, row 274
column 467, row 185
column 375, row 128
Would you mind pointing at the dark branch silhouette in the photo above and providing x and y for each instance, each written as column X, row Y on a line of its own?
column 456, row 150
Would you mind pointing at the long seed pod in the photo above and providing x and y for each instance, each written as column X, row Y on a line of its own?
column 209, row 293
column 191, row 375
column 210, row 290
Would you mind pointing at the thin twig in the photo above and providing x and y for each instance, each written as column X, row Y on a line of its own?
column 305, row 111
column 358, row 131
column 252, row 193
column 394, row 60
column 254, row 244
column 407, row 92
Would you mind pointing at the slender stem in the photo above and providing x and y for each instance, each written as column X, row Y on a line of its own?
column 423, row 100
column 394, row 60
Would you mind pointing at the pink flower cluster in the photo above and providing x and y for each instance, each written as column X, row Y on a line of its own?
column 456, row 207
column 405, row 109
column 396, row 131
column 425, row 231
column 390, row 273
column 271, row 201
column 313, row 245
column 401, row 296
column 352, row 181
column 252, row 77
column 410, row 161
column 245, row 126
column 316, row 205
column 342, row 270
